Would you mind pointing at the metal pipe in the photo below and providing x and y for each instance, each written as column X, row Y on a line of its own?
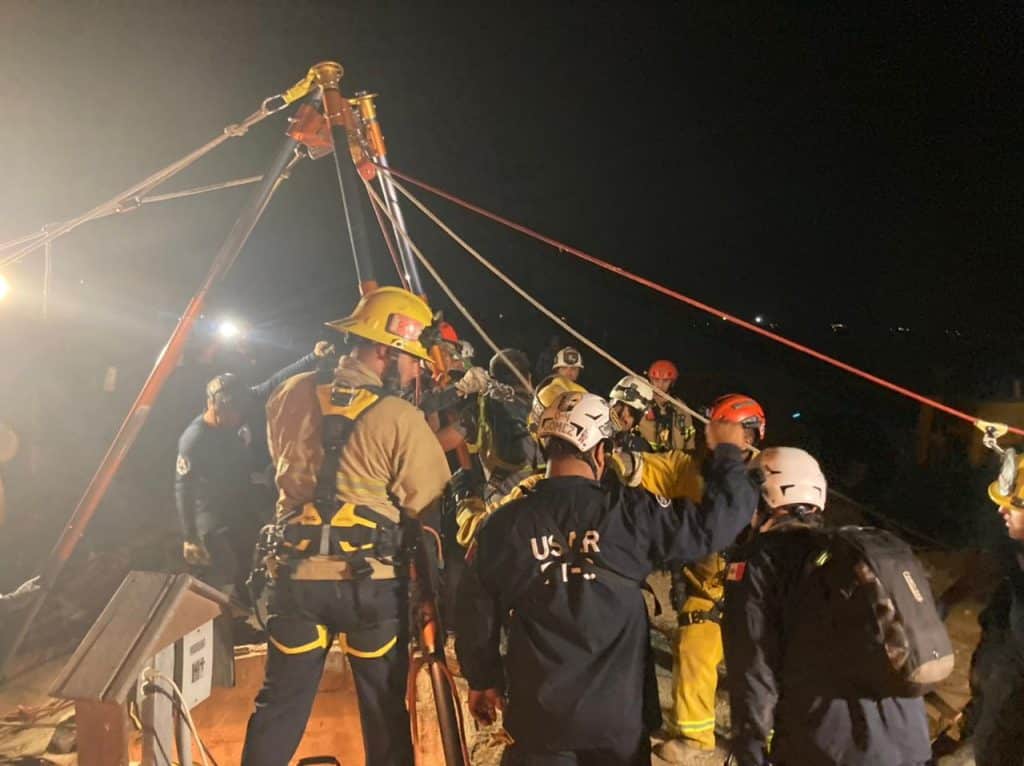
column 285, row 159
column 341, row 120
column 375, row 136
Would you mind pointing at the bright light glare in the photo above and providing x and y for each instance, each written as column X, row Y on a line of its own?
column 796, row 415
column 228, row 329
column 759, row 319
column 5, row 287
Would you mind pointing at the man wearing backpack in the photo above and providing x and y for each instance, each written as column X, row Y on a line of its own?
column 785, row 685
column 561, row 569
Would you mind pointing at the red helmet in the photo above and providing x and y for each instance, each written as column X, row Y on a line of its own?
column 448, row 332
column 663, row 369
column 737, row 408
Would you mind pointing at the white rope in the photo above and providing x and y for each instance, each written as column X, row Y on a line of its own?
column 448, row 291
column 152, row 675
column 678, row 404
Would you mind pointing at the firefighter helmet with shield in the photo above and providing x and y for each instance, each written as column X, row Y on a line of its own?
column 568, row 357
column 634, row 392
column 390, row 316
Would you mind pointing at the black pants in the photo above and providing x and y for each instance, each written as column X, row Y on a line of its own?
column 994, row 718
column 999, row 704
column 231, row 551
column 304, row 618
column 638, row 754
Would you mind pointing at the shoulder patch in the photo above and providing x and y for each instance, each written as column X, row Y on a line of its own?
column 183, row 466
column 736, row 571
column 664, row 502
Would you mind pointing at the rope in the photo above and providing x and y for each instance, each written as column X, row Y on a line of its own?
column 402, row 276
column 448, row 291
column 538, row 305
column 127, row 197
column 547, row 312
column 562, row 247
column 900, row 527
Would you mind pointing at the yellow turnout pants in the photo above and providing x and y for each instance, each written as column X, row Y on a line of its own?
column 697, row 650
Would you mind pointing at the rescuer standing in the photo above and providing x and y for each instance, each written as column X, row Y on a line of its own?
column 663, row 426
column 561, row 571
column 698, row 597
column 352, row 460
column 212, row 478
column 787, row 704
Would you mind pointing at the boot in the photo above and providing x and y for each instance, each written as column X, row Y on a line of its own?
column 681, row 753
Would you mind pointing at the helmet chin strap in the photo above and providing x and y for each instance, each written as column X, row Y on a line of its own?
column 589, row 458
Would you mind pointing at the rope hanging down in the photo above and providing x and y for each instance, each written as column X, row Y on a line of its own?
column 562, row 247
column 448, row 291
column 678, row 404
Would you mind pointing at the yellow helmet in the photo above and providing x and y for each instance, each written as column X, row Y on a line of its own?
column 545, row 396
column 391, row 316
column 1008, row 489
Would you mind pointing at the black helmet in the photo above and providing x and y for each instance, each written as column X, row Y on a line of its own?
column 226, row 390
column 502, row 372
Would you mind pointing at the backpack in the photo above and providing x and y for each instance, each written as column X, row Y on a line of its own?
column 865, row 617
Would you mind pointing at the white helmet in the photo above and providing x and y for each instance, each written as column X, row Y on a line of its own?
column 790, row 476
column 581, row 419
column 568, row 357
column 634, row 392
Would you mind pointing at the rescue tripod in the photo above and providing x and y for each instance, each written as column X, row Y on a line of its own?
column 312, row 133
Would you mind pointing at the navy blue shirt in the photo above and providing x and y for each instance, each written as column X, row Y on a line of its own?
column 576, row 621
column 212, row 472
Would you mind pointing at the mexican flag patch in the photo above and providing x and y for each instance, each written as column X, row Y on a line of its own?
column 736, row 570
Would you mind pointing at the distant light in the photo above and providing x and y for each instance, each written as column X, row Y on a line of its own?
column 724, row 317
column 228, row 329
column 5, row 287
column 759, row 319
column 796, row 415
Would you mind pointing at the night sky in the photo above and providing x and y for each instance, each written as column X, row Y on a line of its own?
column 809, row 163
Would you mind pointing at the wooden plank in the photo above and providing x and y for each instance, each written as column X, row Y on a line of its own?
column 102, row 733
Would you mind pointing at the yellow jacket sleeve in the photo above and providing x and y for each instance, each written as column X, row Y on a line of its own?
column 672, row 474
